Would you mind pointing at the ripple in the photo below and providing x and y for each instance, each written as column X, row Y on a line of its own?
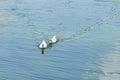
column 107, row 0
column 111, row 64
column 64, row 35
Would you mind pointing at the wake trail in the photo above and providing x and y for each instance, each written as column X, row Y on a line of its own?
column 65, row 35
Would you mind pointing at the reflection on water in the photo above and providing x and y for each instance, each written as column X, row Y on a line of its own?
column 42, row 50
column 111, row 64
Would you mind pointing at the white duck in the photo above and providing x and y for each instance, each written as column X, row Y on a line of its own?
column 54, row 40
column 43, row 44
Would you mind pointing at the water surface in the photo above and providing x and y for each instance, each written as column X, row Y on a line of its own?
column 88, row 33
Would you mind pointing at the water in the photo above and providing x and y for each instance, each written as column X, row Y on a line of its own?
column 88, row 33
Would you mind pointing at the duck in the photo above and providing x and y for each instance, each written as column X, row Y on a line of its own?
column 54, row 40
column 43, row 45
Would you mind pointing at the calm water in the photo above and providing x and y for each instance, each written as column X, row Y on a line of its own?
column 88, row 33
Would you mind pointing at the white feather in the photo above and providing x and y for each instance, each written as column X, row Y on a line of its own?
column 43, row 44
column 54, row 40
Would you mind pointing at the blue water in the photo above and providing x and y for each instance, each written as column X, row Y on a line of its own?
column 88, row 33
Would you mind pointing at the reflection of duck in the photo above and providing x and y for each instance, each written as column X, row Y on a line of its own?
column 50, row 42
column 43, row 44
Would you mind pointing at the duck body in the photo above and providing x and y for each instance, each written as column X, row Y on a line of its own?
column 54, row 40
column 43, row 44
